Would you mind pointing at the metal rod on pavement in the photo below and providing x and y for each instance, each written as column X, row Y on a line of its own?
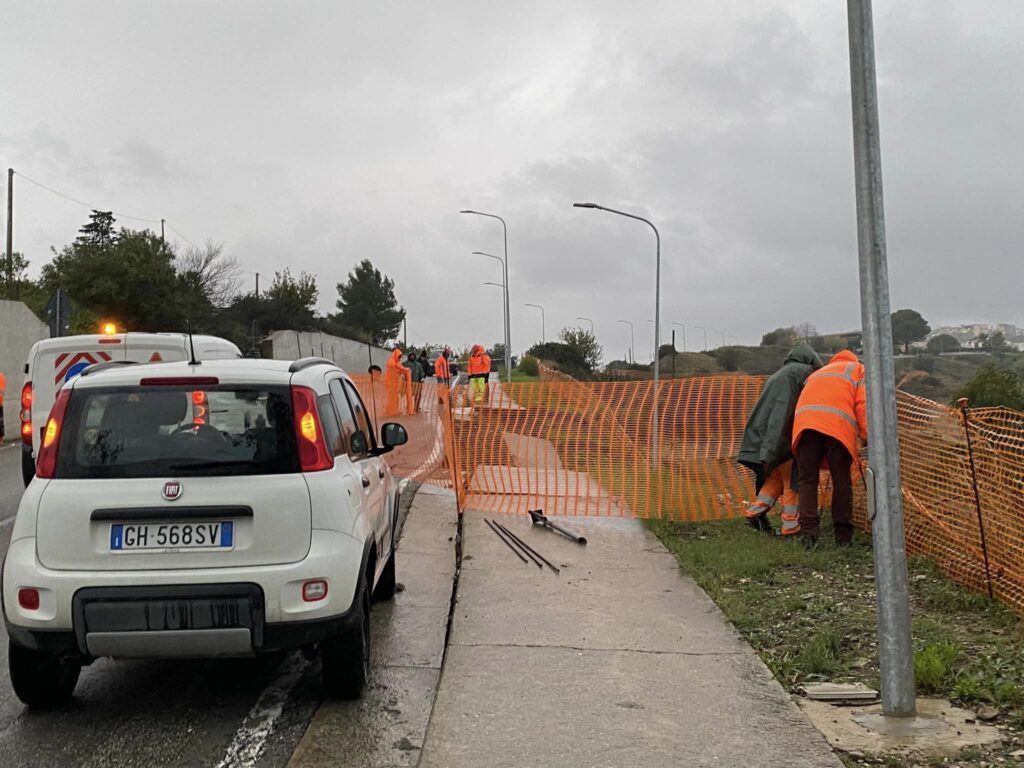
column 506, row 541
column 962, row 402
column 528, row 548
column 895, row 649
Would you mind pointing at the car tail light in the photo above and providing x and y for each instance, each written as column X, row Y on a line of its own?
column 315, row 590
column 26, row 413
column 46, row 461
column 313, row 454
column 28, row 598
column 199, row 407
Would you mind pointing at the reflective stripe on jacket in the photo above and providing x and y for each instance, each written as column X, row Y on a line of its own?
column 833, row 402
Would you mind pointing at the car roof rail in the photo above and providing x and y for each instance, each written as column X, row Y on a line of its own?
column 97, row 367
column 308, row 362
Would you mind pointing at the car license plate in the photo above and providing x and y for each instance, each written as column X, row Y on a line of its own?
column 131, row 536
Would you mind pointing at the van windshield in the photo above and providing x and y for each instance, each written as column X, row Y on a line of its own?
column 129, row 432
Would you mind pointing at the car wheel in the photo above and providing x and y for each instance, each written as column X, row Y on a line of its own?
column 386, row 584
column 41, row 679
column 345, row 658
column 28, row 467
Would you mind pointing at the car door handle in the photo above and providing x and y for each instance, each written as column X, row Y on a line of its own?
column 366, row 481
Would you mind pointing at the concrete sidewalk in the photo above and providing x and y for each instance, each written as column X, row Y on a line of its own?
column 617, row 661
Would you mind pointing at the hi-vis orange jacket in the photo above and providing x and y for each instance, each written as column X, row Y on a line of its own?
column 441, row 370
column 833, row 402
column 479, row 363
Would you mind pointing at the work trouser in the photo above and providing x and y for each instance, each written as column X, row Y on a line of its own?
column 478, row 385
column 812, row 448
column 779, row 483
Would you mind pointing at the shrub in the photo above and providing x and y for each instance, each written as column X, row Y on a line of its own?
column 993, row 386
column 528, row 365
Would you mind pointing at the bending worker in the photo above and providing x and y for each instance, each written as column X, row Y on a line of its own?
column 830, row 415
column 766, row 447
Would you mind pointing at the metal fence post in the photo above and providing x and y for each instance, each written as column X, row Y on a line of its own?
column 962, row 402
column 895, row 649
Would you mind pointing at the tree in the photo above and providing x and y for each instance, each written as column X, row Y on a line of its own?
column 127, row 277
column 992, row 386
column 997, row 342
column 666, row 350
column 943, row 343
column 294, row 295
column 584, row 346
column 908, row 326
column 805, row 331
column 23, row 289
column 209, row 272
column 367, row 304
column 785, row 337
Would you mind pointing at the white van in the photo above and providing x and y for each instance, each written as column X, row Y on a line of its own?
column 51, row 362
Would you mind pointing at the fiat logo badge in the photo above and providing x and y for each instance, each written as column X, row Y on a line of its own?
column 172, row 490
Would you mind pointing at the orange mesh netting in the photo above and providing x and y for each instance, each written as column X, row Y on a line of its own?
column 587, row 448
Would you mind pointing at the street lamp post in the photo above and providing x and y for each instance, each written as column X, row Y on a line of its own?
column 589, row 321
column 657, row 308
column 504, row 294
column 701, row 327
column 504, row 315
column 508, row 328
column 683, row 326
column 543, row 333
column 632, row 354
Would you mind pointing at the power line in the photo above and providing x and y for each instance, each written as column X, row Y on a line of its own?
column 171, row 227
column 118, row 214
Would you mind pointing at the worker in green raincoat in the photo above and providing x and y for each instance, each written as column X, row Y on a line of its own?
column 766, row 447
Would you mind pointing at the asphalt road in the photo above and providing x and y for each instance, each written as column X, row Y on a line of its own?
column 234, row 712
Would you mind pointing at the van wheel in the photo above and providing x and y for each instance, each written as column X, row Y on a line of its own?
column 28, row 467
column 41, row 679
column 345, row 658
column 386, row 584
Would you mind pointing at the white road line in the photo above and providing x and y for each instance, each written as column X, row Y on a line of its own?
column 251, row 737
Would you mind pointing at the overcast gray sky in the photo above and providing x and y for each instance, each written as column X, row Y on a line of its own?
column 313, row 134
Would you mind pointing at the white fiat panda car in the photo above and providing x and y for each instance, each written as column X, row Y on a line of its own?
column 219, row 508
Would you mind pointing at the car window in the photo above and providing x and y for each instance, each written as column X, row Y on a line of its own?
column 362, row 417
column 353, row 434
column 332, row 429
column 129, row 432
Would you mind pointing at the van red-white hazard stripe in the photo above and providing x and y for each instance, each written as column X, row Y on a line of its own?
column 71, row 358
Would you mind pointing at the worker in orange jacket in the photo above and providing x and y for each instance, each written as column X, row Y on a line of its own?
column 397, row 379
column 479, row 368
column 831, row 415
column 441, row 371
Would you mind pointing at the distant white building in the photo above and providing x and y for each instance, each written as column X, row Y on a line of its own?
column 974, row 336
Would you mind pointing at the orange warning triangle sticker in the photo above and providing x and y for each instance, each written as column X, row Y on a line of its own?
column 155, row 358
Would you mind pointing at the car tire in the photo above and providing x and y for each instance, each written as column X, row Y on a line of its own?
column 387, row 584
column 345, row 658
column 41, row 679
column 28, row 467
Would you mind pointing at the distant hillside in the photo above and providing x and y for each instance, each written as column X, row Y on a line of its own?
column 940, row 377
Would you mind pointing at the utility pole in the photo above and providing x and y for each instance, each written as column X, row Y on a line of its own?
column 10, row 233
column 884, row 489
column 162, row 241
column 257, row 285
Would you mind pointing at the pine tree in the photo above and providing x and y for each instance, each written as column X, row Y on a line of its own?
column 367, row 304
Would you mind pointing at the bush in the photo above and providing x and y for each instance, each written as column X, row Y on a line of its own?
column 528, row 365
column 993, row 386
column 926, row 363
column 933, row 666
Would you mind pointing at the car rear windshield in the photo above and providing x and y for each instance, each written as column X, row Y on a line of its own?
column 176, row 431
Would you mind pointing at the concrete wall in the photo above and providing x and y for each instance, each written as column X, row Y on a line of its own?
column 349, row 355
column 19, row 330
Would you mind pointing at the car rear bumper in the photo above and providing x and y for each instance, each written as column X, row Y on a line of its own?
column 183, row 613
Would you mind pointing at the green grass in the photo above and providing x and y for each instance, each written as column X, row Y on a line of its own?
column 811, row 616
column 518, row 375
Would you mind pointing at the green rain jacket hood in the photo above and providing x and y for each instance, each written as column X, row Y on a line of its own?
column 769, row 430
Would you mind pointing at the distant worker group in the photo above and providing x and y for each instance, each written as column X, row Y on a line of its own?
column 404, row 377
column 808, row 416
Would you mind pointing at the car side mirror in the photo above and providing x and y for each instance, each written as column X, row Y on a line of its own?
column 393, row 435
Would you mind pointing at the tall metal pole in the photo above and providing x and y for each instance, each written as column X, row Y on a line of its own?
column 655, row 436
column 508, row 320
column 504, row 314
column 543, row 333
column 632, row 341
column 589, row 321
column 10, row 233
column 895, row 651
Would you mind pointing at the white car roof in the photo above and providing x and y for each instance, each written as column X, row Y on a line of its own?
column 243, row 371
